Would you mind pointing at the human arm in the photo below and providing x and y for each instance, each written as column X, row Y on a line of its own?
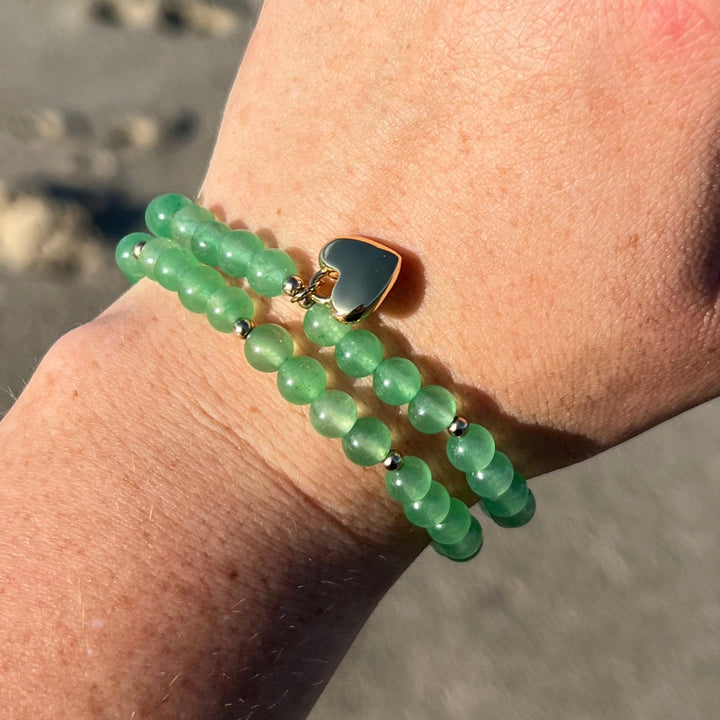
column 169, row 471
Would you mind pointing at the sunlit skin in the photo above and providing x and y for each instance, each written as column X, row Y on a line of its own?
column 174, row 536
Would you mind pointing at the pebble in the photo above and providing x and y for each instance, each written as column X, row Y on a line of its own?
column 37, row 233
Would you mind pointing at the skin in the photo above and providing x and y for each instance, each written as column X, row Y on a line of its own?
column 549, row 173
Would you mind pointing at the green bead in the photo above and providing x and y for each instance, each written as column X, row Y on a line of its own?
column 205, row 241
column 186, row 221
column 396, row 381
column 172, row 265
column 236, row 249
column 430, row 509
column 125, row 258
column 472, row 451
column 368, row 443
column 268, row 270
column 226, row 306
column 333, row 414
column 268, row 346
column 150, row 253
column 358, row 353
column 511, row 502
column 432, row 409
column 520, row 518
column 454, row 526
column 464, row 549
column 321, row 327
column 410, row 482
column 493, row 480
column 160, row 211
column 301, row 379
column 196, row 287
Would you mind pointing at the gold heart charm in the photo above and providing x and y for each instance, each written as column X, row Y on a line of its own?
column 364, row 272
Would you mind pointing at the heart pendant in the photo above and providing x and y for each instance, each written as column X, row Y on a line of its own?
column 364, row 272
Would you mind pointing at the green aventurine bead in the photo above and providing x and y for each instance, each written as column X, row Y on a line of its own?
column 267, row 271
column 358, row 353
column 150, row 253
column 368, row 442
column 227, row 305
column 432, row 409
column 301, row 379
column 523, row 517
column 268, row 346
column 493, row 480
column 430, row 509
column 465, row 549
column 236, row 249
column 333, row 414
column 125, row 258
column 186, row 221
column 196, row 287
column 410, row 482
column 454, row 526
column 321, row 327
column 160, row 211
column 511, row 502
column 205, row 241
column 472, row 451
column 172, row 265
column 396, row 381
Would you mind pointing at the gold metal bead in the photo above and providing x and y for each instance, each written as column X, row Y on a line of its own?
column 393, row 460
column 293, row 286
column 459, row 426
column 243, row 327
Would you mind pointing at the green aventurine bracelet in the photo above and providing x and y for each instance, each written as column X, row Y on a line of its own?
column 355, row 275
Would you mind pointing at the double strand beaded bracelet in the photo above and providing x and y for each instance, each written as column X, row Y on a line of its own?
column 191, row 253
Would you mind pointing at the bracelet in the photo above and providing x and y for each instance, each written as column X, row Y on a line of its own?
column 190, row 252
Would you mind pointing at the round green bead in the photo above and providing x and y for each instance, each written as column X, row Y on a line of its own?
column 396, row 381
column 520, row 518
column 333, row 414
column 172, row 265
column 493, row 480
column 226, row 306
column 186, row 221
column 466, row 548
column 410, row 482
column 125, row 258
column 368, row 443
column 358, row 353
column 268, row 346
column 268, row 270
column 430, row 509
column 236, row 249
column 321, row 327
column 454, row 526
column 150, row 253
column 205, row 241
column 301, row 379
column 160, row 211
column 432, row 409
column 196, row 287
column 511, row 502
column 472, row 451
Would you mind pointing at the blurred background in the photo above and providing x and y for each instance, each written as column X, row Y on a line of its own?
column 606, row 606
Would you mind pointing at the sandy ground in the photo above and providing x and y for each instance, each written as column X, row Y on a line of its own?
column 606, row 606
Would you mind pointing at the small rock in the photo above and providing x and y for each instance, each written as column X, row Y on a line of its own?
column 50, row 125
column 138, row 132
column 205, row 18
column 38, row 234
column 133, row 14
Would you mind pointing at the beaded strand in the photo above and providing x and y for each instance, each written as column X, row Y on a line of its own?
column 187, row 243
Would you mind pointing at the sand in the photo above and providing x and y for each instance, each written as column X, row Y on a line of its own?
column 606, row 606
